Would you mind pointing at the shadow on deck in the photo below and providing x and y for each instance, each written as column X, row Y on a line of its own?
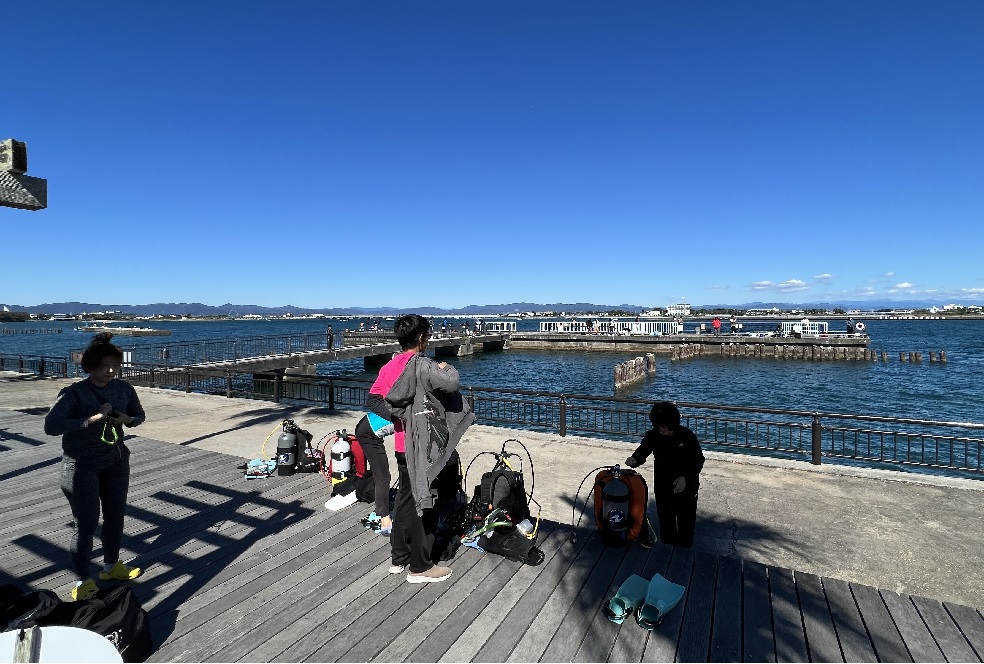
column 260, row 571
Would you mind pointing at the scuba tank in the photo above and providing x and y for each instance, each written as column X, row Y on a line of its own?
column 341, row 459
column 287, row 451
column 615, row 507
column 621, row 497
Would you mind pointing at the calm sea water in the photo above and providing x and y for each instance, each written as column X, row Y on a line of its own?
column 951, row 392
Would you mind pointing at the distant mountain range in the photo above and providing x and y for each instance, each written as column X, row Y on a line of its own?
column 198, row 309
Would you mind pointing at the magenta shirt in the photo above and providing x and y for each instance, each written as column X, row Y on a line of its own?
column 384, row 381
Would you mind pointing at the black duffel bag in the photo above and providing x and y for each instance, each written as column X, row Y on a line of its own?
column 20, row 609
column 116, row 614
column 113, row 612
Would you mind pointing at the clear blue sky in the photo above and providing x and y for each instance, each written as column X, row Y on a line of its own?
column 403, row 153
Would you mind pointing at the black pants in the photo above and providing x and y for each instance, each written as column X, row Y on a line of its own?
column 375, row 451
column 413, row 536
column 677, row 513
column 86, row 489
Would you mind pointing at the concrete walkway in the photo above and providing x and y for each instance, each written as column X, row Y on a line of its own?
column 910, row 533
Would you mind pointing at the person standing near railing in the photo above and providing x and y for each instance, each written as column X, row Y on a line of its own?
column 677, row 462
column 90, row 415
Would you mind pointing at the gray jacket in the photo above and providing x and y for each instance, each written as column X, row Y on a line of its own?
column 434, row 415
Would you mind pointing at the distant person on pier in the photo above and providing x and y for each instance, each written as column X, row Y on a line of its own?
column 89, row 416
column 716, row 324
column 677, row 462
column 733, row 322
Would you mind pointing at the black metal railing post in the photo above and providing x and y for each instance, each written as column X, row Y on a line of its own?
column 229, row 384
column 278, row 386
column 817, row 432
column 331, row 394
column 153, row 376
column 187, row 380
column 563, row 415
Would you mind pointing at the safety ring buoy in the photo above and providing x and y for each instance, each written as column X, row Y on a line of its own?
column 859, row 327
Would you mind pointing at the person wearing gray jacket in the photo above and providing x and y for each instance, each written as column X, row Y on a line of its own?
column 427, row 400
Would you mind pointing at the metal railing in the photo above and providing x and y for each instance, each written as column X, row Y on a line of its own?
column 809, row 435
column 866, row 439
column 37, row 365
column 221, row 350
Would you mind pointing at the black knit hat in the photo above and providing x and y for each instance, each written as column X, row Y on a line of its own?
column 665, row 414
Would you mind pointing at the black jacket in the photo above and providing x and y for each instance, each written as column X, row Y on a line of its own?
column 673, row 456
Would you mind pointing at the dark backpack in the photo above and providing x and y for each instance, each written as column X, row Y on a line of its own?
column 116, row 614
column 504, row 489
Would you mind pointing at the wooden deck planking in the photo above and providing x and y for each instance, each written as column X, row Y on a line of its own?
column 918, row 639
column 258, row 570
column 149, row 508
column 758, row 642
column 695, row 636
column 246, row 584
column 532, row 602
column 885, row 638
column 948, row 636
column 726, row 629
column 293, row 601
column 852, row 635
column 338, row 581
column 446, row 604
column 473, row 639
column 559, row 587
column 787, row 619
column 971, row 624
column 453, row 623
column 585, row 604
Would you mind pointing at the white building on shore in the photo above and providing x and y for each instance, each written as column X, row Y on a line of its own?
column 675, row 310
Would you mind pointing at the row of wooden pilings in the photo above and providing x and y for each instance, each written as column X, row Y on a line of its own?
column 801, row 352
column 634, row 370
column 30, row 330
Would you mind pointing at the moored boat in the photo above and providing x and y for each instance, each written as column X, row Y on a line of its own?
column 125, row 330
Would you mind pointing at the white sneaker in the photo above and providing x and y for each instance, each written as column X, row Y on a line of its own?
column 397, row 569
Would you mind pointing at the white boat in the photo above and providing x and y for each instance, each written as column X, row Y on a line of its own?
column 125, row 330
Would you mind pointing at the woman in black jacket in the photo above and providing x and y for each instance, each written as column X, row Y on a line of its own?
column 677, row 461
column 90, row 415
